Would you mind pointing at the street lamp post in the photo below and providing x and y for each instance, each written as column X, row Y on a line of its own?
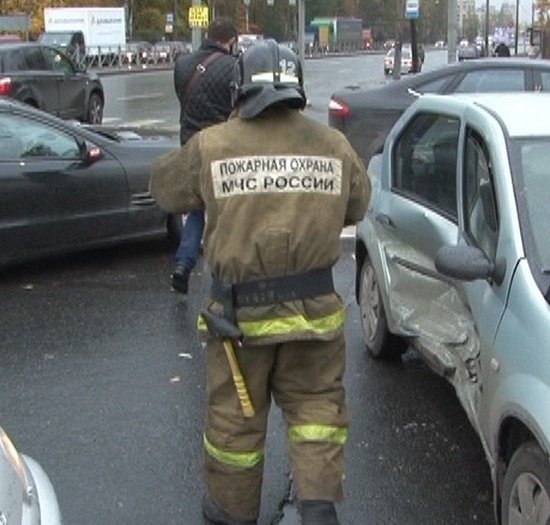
column 487, row 28
column 516, row 33
column 451, row 31
column 246, row 6
column 196, row 32
column 302, row 31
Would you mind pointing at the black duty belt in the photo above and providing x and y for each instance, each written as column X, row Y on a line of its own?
column 274, row 290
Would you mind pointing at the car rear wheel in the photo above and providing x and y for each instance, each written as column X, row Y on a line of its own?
column 526, row 487
column 380, row 343
column 95, row 109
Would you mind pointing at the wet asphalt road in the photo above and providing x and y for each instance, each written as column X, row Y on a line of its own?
column 101, row 380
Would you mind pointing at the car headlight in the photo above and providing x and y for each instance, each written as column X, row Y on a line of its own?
column 14, row 459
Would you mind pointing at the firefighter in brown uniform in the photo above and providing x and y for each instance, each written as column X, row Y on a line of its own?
column 277, row 188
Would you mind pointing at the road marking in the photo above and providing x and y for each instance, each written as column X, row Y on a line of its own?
column 134, row 123
column 143, row 123
column 111, row 120
column 137, row 97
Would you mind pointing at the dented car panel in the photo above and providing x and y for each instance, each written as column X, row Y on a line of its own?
column 453, row 259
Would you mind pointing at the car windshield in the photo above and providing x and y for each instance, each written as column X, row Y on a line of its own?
column 405, row 52
column 532, row 186
column 56, row 39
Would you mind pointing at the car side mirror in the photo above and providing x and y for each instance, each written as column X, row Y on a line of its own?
column 90, row 153
column 468, row 263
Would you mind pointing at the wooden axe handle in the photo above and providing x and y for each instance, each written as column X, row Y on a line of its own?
column 242, row 391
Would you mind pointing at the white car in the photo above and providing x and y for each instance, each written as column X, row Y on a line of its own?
column 453, row 260
column 406, row 60
column 27, row 496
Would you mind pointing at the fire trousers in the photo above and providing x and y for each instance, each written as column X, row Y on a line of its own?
column 305, row 379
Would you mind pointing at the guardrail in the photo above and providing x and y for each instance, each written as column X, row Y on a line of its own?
column 125, row 57
column 164, row 54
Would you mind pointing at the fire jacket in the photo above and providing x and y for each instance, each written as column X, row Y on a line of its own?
column 277, row 191
column 209, row 101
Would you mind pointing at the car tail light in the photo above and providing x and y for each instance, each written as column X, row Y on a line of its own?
column 5, row 86
column 337, row 108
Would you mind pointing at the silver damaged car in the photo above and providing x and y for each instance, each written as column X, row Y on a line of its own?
column 27, row 496
column 453, row 260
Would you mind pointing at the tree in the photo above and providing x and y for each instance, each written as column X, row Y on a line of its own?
column 471, row 27
column 543, row 8
column 148, row 24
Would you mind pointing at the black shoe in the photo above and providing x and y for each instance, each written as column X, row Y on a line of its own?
column 216, row 516
column 319, row 513
column 180, row 279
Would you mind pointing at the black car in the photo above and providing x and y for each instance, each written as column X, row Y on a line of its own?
column 66, row 186
column 70, row 42
column 46, row 78
column 366, row 116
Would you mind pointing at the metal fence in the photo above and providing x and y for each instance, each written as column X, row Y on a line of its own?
column 165, row 54
column 128, row 57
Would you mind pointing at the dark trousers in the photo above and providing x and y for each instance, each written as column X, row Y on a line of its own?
column 191, row 237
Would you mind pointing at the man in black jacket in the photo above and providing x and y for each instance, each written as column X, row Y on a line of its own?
column 202, row 83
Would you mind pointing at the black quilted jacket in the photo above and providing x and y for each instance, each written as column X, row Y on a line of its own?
column 209, row 101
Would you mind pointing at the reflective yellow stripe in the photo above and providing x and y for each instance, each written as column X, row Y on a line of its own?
column 288, row 325
column 234, row 459
column 327, row 433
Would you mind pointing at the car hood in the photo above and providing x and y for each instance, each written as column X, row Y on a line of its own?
column 139, row 137
column 395, row 95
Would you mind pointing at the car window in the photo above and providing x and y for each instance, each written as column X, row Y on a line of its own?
column 481, row 213
column 533, row 197
column 545, row 80
column 12, row 60
column 434, row 86
column 55, row 39
column 491, row 80
column 424, row 162
column 34, row 59
column 22, row 138
column 58, row 62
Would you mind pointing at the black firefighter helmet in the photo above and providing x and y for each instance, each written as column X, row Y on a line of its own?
column 265, row 75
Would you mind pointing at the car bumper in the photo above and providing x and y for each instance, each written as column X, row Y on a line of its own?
column 50, row 513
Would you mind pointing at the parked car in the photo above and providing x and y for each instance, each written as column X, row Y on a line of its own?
column 46, row 78
column 138, row 52
column 169, row 51
column 8, row 38
column 467, row 52
column 70, row 42
column 365, row 116
column 67, row 186
column 27, row 496
column 453, row 259
column 406, row 60
column 470, row 50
